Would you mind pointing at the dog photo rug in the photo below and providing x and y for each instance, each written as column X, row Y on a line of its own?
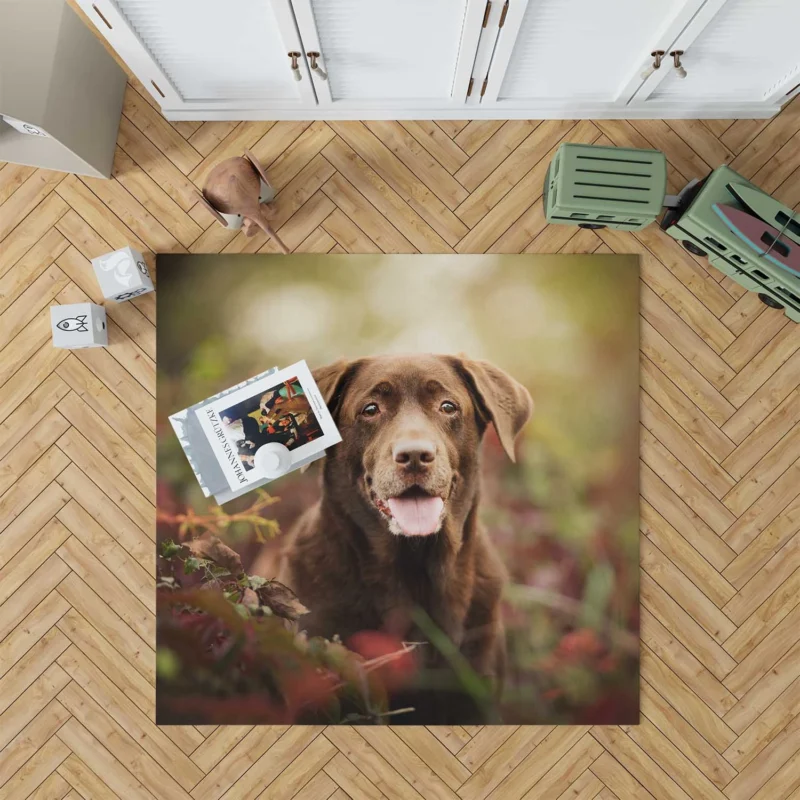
column 467, row 554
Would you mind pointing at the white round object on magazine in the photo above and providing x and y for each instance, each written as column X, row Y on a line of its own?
column 273, row 459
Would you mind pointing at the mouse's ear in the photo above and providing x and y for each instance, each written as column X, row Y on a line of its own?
column 332, row 380
column 505, row 402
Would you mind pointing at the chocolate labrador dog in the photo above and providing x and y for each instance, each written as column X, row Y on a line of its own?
column 397, row 525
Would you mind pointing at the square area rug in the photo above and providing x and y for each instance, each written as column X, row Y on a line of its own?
column 467, row 554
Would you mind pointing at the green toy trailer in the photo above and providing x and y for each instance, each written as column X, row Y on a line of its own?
column 605, row 187
column 701, row 230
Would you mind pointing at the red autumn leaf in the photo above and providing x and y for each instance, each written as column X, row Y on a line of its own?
column 580, row 645
column 385, row 656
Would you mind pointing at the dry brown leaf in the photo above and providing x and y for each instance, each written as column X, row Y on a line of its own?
column 282, row 600
column 250, row 599
column 214, row 550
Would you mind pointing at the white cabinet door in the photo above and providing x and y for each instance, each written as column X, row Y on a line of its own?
column 390, row 53
column 208, row 54
column 747, row 51
column 578, row 55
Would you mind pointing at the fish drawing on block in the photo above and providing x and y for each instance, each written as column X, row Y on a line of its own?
column 763, row 238
column 77, row 324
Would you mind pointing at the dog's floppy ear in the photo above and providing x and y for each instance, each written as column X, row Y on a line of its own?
column 332, row 380
column 505, row 402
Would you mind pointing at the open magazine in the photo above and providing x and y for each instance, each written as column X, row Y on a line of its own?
column 223, row 434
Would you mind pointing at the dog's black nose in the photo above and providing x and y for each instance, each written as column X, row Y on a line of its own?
column 414, row 452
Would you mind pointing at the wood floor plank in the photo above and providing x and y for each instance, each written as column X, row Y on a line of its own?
column 375, row 226
column 684, row 556
column 685, row 738
column 43, row 542
column 683, row 447
column 84, row 782
column 118, row 739
column 158, row 204
column 156, row 165
column 12, row 176
column 344, row 231
column 108, row 478
column 25, row 527
column 91, row 752
column 682, row 410
column 300, row 152
column 764, row 400
column 643, row 768
column 107, row 224
column 209, row 135
column 95, row 392
column 426, row 168
column 684, row 375
column 427, row 222
column 499, row 182
column 26, row 198
column 31, row 230
column 693, row 636
column 761, row 513
column 764, row 693
column 683, row 700
column 780, row 423
column 488, row 158
column 30, row 267
column 31, row 666
column 35, row 735
column 475, row 133
column 437, row 143
column 679, row 514
column 81, row 597
column 122, row 452
column 31, row 629
column 675, row 583
column 159, row 131
column 255, row 762
column 780, row 603
column 25, row 599
column 135, row 574
column 29, row 483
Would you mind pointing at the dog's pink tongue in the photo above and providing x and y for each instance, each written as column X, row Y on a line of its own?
column 417, row 516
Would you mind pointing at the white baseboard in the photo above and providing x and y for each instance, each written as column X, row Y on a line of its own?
column 649, row 111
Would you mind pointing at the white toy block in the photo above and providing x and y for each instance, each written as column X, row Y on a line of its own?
column 78, row 325
column 122, row 274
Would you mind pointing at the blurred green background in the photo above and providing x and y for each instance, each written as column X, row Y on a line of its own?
column 564, row 518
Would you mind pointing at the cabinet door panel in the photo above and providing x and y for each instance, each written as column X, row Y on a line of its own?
column 580, row 51
column 391, row 53
column 207, row 53
column 748, row 51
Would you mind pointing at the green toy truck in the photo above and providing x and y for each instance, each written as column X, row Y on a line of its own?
column 702, row 232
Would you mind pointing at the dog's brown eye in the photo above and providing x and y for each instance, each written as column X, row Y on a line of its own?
column 370, row 410
column 448, row 408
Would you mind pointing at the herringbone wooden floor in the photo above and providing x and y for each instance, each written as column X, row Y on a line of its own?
column 720, row 445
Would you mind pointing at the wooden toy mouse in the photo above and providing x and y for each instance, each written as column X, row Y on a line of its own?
column 233, row 188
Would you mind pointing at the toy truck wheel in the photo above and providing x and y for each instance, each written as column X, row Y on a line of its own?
column 694, row 249
column 592, row 226
column 769, row 301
